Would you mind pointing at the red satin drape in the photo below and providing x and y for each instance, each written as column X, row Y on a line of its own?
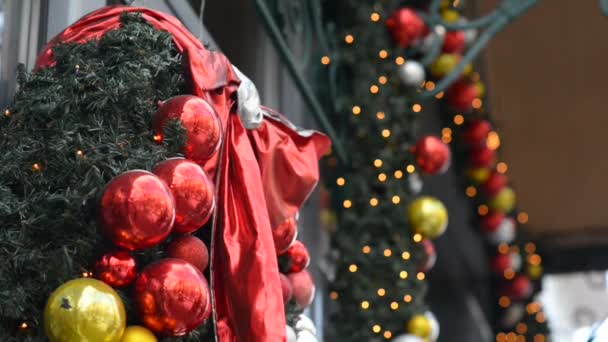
column 245, row 282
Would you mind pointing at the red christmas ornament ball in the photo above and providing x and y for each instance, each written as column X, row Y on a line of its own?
column 453, row 42
column 286, row 288
column 430, row 256
column 303, row 288
column 495, row 182
column 172, row 297
column 202, row 124
column 405, row 26
column 284, row 235
column 298, row 257
column 136, row 210
column 482, row 157
column 520, row 288
column 490, row 222
column 191, row 249
column 193, row 192
column 432, row 155
column 460, row 96
column 116, row 269
column 503, row 261
column 477, row 132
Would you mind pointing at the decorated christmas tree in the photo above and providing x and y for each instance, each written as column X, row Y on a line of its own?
column 139, row 197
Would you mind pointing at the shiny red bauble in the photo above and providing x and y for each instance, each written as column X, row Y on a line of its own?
column 298, row 257
column 453, row 42
column 303, row 288
column 505, row 261
column 460, row 96
column 520, row 288
column 202, row 124
column 286, row 288
column 172, row 297
column 284, row 235
column 191, row 249
column 116, row 269
column 430, row 256
column 432, row 155
column 495, row 182
column 405, row 26
column 193, row 192
column 482, row 157
column 490, row 222
column 136, row 210
column 476, row 132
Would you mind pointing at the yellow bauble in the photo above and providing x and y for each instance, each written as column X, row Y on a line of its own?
column 535, row 271
column 420, row 326
column 428, row 217
column 84, row 310
column 478, row 175
column 468, row 69
column 445, row 63
column 480, row 87
column 136, row 333
column 450, row 16
column 504, row 201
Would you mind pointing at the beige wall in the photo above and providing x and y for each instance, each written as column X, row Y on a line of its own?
column 548, row 85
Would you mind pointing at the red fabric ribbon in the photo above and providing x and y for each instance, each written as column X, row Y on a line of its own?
column 245, row 281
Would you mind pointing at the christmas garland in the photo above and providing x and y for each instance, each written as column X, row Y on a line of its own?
column 376, row 251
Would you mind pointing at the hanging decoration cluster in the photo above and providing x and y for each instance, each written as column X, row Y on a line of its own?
column 134, row 210
column 383, row 47
column 515, row 262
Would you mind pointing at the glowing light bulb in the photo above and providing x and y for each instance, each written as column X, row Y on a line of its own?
column 398, row 174
column 387, row 253
column 522, row 217
column 407, row 298
column 353, row 268
column 382, row 54
column 386, row 133
column 347, row 204
column 458, row 119
column 382, row 177
column 416, row 108
column 333, row 295
column 378, row 163
column 394, row 305
column 396, row 199
column 325, row 60
column 399, row 60
column 403, row 274
column 376, row 328
column 340, row 181
column 410, row 168
column 373, row 201
column 380, row 115
column 417, row 238
column 374, row 89
column 356, row 110
column 381, row 292
column 382, row 80
column 405, row 255
column 375, row 17
column 349, row 39
column 502, row 167
column 471, row 191
column 504, row 301
column 364, row 305
column 420, row 276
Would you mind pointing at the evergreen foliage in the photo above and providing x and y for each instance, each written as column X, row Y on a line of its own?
column 71, row 128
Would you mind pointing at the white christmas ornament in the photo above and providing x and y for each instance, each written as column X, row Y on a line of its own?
column 434, row 325
column 504, row 233
column 306, row 336
column 515, row 259
column 248, row 102
column 412, row 73
column 306, row 324
column 512, row 315
column 469, row 35
column 407, row 338
column 415, row 183
column 291, row 334
column 425, row 44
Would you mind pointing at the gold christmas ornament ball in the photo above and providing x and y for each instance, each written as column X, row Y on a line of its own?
column 85, row 310
column 428, row 217
column 135, row 333
column 478, row 175
column 535, row 272
column 420, row 326
column 444, row 64
column 504, row 201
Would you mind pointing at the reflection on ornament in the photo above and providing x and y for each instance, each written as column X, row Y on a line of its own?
column 116, row 269
column 172, row 297
column 203, row 126
column 428, row 217
column 136, row 210
column 193, row 192
column 84, row 309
